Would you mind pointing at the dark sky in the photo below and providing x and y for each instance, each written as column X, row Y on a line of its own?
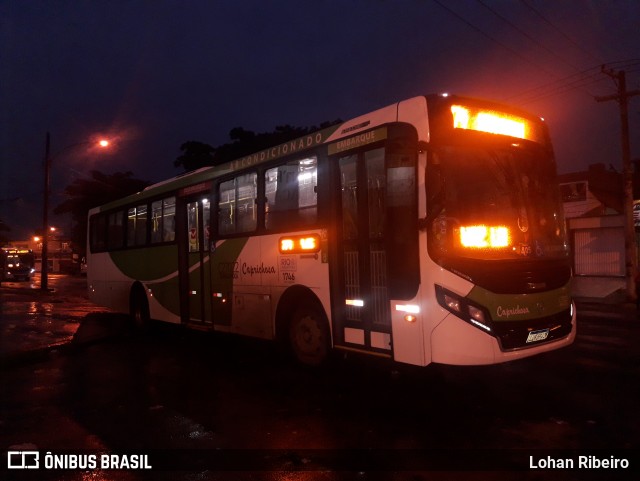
column 154, row 74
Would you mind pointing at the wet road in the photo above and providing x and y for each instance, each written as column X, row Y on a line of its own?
column 32, row 319
column 227, row 408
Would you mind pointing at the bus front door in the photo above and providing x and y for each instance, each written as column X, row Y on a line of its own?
column 195, row 278
column 363, row 320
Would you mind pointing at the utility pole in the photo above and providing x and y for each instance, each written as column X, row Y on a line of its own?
column 44, row 268
column 631, row 253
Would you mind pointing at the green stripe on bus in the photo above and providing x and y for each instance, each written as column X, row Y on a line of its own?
column 149, row 264
column 517, row 307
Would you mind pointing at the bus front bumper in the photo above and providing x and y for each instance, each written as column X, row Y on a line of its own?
column 457, row 342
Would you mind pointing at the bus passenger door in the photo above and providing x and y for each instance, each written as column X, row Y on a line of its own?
column 195, row 276
column 363, row 320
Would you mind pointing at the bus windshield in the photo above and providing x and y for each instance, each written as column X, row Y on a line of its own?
column 494, row 201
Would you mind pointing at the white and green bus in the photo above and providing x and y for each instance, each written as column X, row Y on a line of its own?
column 430, row 230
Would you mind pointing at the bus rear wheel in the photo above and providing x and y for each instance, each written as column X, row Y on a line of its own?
column 309, row 336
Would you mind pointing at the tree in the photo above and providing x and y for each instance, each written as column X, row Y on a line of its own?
column 194, row 155
column 243, row 142
column 84, row 194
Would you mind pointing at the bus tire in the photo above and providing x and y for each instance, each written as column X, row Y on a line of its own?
column 139, row 309
column 309, row 336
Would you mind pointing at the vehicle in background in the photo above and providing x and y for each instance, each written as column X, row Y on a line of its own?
column 16, row 264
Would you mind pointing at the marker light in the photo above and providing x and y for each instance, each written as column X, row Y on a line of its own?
column 483, row 237
column 302, row 244
column 286, row 245
column 354, row 302
column 410, row 311
column 491, row 121
column 308, row 243
column 409, row 308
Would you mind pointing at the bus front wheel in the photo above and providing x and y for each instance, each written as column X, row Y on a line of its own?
column 309, row 336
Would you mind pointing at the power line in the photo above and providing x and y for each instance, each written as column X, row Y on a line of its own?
column 575, row 81
column 584, row 74
column 622, row 63
column 484, row 34
column 525, row 34
column 560, row 85
column 563, row 85
column 561, row 32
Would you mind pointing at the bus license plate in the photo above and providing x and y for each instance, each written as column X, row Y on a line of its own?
column 536, row 336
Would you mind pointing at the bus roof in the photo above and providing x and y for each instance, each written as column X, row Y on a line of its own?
column 413, row 111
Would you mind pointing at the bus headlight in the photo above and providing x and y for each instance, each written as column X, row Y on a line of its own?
column 452, row 303
column 463, row 308
column 476, row 313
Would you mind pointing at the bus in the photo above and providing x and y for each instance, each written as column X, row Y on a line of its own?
column 428, row 231
column 16, row 264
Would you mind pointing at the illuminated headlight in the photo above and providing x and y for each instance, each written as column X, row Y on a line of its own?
column 452, row 303
column 463, row 308
column 476, row 313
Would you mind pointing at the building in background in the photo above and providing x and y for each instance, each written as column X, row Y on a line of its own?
column 61, row 258
column 593, row 209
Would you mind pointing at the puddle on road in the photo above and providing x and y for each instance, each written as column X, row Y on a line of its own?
column 32, row 325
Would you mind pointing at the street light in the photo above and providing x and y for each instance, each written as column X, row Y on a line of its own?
column 44, row 271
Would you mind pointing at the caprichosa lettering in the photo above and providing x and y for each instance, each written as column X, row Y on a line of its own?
column 257, row 269
column 511, row 311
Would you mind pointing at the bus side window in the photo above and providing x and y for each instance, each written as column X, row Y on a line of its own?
column 226, row 207
column 156, row 222
column 291, row 194
column 169, row 219
column 115, row 233
column 98, row 233
column 237, row 205
column 131, row 227
column 247, row 193
column 137, row 226
column 163, row 225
